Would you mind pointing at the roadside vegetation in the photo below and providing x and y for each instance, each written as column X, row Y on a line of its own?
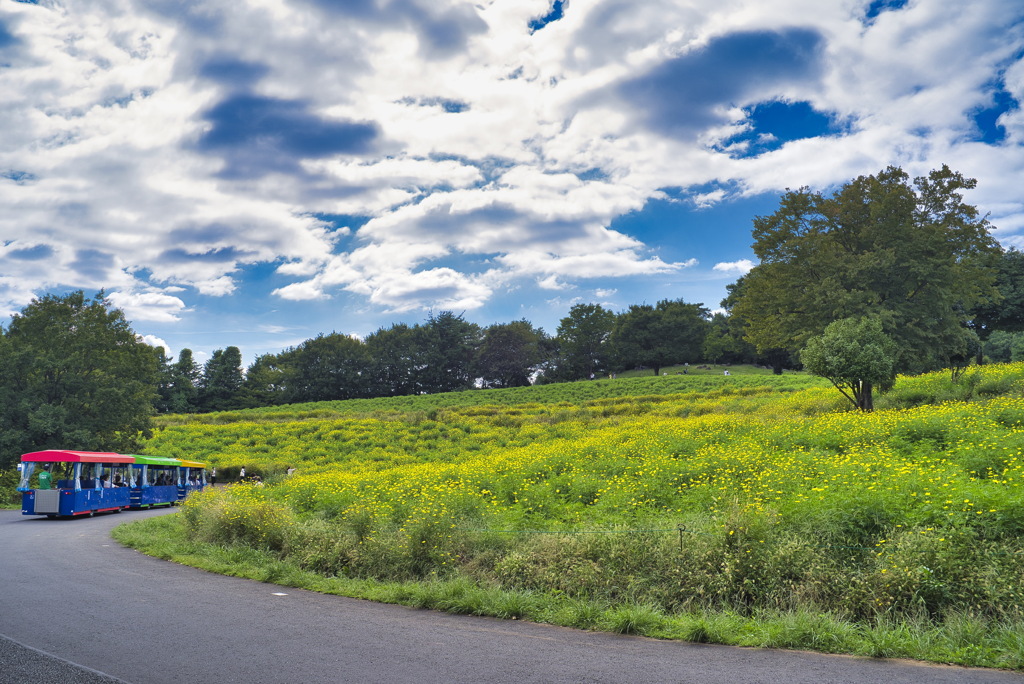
column 748, row 509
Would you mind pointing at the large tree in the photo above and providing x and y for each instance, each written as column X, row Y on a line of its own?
column 446, row 346
column 394, row 353
column 912, row 254
column 221, row 384
column 510, row 354
column 179, row 383
column 264, row 383
column 325, row 368
column 670, row 332
column 582, row 342
column 73, row 375
column 724, row 341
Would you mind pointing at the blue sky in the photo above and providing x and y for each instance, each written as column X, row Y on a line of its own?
column 255, row 172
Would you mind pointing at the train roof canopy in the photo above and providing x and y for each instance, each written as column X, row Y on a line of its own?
column 54, row 455
column 192, row 464
column 156, row 460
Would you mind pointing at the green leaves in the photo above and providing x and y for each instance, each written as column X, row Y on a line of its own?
column 73, row 375
column 911, row 254
column 667, row 333
column 856, row 356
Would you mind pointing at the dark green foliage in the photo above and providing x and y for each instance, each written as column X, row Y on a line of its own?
column 1005, row 347
column 582, row 342
column 179, row 383
column 724, row 342
column 668, row 333
column 855, row 356
column 264, row 382
column 326, row 368
column 221, row 384
column 510, row 353
column 446, row 346
column 395, row 353
column 73, row 375
column 912, row 254
column 1005, row 313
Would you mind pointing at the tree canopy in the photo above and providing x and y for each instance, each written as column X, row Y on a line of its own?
column 510, row 353
column 856, row 356
column 667, row 333
column 582, row 342
column 913, row 255
column 327, row 367
column 73, row 375
column 446, row 348
column 179, row 383
column 1005, row 313
column 220, row 388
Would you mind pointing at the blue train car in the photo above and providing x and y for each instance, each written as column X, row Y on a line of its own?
column 155, row 481
column 191, row 478
column 70, row 483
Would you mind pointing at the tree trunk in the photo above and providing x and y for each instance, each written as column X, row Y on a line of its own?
column 865, row 400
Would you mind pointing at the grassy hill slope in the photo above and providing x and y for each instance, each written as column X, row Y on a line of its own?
column 742, row 509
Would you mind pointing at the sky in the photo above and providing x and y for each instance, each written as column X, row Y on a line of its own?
column 257, row 172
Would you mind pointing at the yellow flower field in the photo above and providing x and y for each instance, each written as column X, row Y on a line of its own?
column 741, row 496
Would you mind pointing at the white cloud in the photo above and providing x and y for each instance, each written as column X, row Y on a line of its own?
column 490, row 156
column 148, row 306
column 155, row 341
column 740, row 267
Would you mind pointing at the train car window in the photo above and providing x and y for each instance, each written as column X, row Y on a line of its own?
column 26, row 475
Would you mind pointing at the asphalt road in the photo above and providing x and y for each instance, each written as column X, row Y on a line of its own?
column 77, row 607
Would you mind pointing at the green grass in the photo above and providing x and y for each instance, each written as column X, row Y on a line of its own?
column 959, row 639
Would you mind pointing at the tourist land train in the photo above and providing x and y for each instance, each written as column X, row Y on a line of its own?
column 73, row 483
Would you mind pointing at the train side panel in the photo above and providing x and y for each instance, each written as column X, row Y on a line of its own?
column 70, row 502
column 154, row 495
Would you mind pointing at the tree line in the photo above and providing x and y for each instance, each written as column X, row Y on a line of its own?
column 885, row 275
column 447, row 353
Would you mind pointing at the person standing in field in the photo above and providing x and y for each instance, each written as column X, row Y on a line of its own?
column 241, row 473
column 213, row 476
